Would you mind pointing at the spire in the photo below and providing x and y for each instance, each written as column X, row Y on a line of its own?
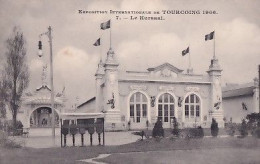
column 100, row 70
column 214, row 65
column 44, row 75
column 111, row 59
column 110, row 55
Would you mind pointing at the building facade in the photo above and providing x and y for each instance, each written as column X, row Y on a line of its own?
column 35, row 110
column 137, row 99
column 239, row 100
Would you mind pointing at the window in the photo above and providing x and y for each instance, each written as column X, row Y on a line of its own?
column 166, row 107
column 138, row 107
column 192, row 106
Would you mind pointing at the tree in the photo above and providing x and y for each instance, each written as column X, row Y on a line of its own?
column 15, row 74
column 3, row 98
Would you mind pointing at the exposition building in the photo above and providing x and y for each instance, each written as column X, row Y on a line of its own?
column 35, row 111
column 137, row 99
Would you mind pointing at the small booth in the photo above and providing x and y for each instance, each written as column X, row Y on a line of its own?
column 80, row 123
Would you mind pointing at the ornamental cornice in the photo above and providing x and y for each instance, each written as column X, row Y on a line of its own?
column 166, row 88
column 192, row 89
column 138, row 87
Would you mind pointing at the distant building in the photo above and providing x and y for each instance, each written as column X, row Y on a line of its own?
column 240, row 100
column 140, row 98
column 35, row 110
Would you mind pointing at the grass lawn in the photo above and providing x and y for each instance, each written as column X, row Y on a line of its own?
column 176, row 148
column 200, row 156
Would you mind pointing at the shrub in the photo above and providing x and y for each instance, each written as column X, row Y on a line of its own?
column 230, row 129
column 129, row 125
column 11, row 129
column 175, row 130
column 200, row 132
column 7, row 143
column 243, row 129
column 253, row 122
column 194, row 132
column 19, row 125
column 147, row 124
column 214, row 128
column 158, row 130
column 256, row 132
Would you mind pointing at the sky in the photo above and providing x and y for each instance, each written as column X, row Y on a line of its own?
column 138, row 44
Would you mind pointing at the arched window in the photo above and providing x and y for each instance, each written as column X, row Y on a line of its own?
column 192, row 106
column 138, row 107
column 165, row 107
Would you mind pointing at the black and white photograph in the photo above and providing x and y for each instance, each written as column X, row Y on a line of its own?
column 129, row 81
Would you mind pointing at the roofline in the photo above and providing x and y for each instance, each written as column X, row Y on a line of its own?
column 232, row 89
column 237, row 96
column 43, row 86
column 162, row 81
column 92, row 99
column 166, row 63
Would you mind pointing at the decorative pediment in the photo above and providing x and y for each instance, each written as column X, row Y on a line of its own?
column 43, row 87
column 165, row 70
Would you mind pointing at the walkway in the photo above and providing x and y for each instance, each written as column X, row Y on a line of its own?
column 41, row 138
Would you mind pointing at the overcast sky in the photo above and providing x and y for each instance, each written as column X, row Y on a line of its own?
column 137, row 44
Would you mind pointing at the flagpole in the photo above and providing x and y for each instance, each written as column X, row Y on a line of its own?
column 214, row 57
column 189, row 58
column 110, row 32
column 101, row 48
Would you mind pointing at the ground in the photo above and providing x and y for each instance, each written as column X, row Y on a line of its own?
column 201, row 156
column 167, row 150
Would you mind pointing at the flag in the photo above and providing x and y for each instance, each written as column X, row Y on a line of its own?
column 97, row 43
column 105, row 25
column 184, row 52
column 209, row 36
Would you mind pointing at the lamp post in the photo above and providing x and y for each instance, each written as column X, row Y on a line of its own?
column 48, row 33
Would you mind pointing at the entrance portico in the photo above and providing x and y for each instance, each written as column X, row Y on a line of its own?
column 41, row 117
column 36, row 109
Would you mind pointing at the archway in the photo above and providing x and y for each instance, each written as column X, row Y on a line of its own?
column 41, row 117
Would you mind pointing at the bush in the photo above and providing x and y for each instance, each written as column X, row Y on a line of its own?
column 230, row 129
column 214, row 128
column 7, row 143
column 243, row 129
column 194, row 133
column 256, row 133
column 17, row 130
column 253, row 122
column 158, row 130
column 175, row 130
column 140, row 133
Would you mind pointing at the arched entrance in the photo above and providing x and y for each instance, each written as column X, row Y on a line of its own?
column 41, row 117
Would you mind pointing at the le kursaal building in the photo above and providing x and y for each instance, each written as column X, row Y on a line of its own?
column 138, row 99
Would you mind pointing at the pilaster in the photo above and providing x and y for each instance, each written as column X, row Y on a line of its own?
column 99, row 79
column 111, row 92
column 215, row 108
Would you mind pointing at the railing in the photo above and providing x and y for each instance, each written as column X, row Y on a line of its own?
column 81, row 129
